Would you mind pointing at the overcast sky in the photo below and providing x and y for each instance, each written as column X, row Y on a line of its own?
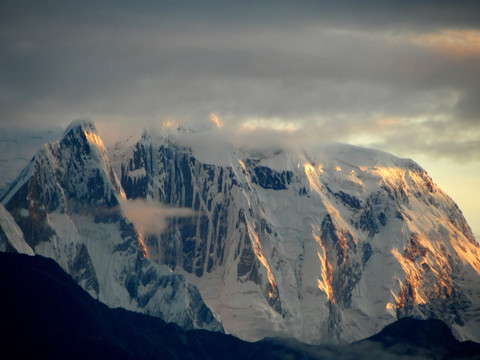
column 401, row 76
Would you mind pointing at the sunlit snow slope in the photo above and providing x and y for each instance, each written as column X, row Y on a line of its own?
column 326, row 244
column 66, row 202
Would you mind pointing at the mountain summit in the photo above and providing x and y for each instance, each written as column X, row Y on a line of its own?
column 67, row 203
column 326, row 245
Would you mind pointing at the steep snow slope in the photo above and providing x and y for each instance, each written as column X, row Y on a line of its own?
column 11, row 236
column 329, row 244
column 67, row 203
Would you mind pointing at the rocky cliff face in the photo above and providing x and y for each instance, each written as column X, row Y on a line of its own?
column 329, row 244
column 67, row 204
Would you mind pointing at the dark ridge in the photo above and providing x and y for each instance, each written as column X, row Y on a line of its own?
column 44, row 314
column 407, row 334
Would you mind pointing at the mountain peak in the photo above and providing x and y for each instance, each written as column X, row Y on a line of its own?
column 83, row 133
column 83, row 124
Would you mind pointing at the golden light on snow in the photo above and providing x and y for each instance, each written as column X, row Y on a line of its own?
column 390, row 306
column 413, row 280
column 143, row 246
column 168, row 123
column 94, row 139
column 388, row 174
column 216, row 120
column 309, row 169
column 257, row 248
column 171, row 123
column 312, row 178
column 325, row 283
column 468, row 252
column 316, row 186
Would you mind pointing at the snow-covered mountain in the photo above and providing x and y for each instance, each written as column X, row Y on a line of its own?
column 326, row 244
column 66, row 201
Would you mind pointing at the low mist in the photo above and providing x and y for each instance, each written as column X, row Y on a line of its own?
column 150, row 217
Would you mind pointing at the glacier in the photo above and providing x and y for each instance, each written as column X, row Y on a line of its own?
column 326, row 244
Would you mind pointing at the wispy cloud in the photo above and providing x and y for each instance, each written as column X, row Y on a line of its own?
column 150, row 218
column 457, row 43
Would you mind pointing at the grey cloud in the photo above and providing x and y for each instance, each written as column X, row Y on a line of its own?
column 333, row 68
column 368, row 13
column 468, row 108
column 435, row 138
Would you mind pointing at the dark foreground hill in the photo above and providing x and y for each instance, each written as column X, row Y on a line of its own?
column 45, row 314
column 409, row 336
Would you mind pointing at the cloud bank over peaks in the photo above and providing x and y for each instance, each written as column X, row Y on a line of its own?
column 327, row 69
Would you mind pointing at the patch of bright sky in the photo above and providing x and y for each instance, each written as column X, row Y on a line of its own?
column 461, row 181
